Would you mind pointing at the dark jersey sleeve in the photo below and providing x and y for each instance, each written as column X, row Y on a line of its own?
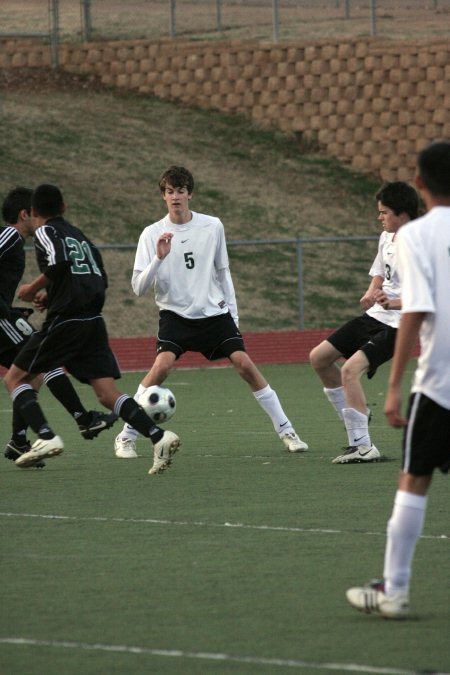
column 74, row 267
column 12, row 266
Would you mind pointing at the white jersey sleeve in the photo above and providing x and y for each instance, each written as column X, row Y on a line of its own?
column 424, row 263
column 188, row 280
column 416, row 273
column 225, row 280
column 385, row 265
column 146, row 262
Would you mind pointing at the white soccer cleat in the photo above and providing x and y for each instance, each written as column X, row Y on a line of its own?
column 373, row 600
column 358, row 454
column 164, row 451
column 125, row 447
column 293, row 442
column 40, row 449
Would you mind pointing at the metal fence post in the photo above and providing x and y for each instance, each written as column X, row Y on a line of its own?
column 347, row 9
column 301, row 299
column 86, row 20
column 172, row 28
column 373, row 17
column 219, row 16
column 275, row 20
column 54, row 32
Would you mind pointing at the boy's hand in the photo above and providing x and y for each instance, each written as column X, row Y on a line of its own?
column 163, row 245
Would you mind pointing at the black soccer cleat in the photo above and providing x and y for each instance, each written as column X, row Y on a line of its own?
column 99, row 422
column 14, row 451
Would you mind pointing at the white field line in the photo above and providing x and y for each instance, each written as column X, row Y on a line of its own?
column 197, row 523
column 209, row 656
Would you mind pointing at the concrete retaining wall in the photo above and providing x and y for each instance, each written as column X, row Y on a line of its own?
column 370, row 104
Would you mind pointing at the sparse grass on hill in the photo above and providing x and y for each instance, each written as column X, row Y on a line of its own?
column 106, row 151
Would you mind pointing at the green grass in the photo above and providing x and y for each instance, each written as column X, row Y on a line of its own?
column 106, row 150
column 240, row 550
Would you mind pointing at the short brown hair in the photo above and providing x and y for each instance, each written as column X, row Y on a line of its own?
column 177, row 177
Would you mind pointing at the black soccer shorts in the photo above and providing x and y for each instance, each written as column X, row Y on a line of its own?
column 426, row 439
column 216, row 337
column 80, row 344
column 364, row 333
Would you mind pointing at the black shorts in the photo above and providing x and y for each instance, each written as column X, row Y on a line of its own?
column 79, row 344
column 426, row 440
column 216, row 337
column 14, row 333
column 366, row 334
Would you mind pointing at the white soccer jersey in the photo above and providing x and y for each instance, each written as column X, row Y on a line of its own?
column 424, row 263
column 193, row 279
column 385, row 265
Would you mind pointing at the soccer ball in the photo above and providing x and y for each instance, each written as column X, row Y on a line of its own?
column 159, row 403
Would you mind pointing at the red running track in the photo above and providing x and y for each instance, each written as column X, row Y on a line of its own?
column 138, row 353
column 275, row 347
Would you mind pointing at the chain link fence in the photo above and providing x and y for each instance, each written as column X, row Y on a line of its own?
column 263, row 20
column 281, row 284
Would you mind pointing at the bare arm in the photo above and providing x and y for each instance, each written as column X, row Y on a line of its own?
column 404, row 344
column 386, row 302
column 368, row 299
column 27, row 292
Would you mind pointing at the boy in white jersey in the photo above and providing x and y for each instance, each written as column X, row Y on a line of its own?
column 368, row 340
column 424, row 261
column 184, row 256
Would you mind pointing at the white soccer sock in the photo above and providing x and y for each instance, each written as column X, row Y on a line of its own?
column 128, row 432
column 403, row 530
column 337, row 399
column 357, row 425
column 270, row 403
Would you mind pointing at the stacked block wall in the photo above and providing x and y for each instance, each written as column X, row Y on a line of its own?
column 368, row 103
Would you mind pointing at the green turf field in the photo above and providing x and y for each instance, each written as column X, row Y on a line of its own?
column 236, row 560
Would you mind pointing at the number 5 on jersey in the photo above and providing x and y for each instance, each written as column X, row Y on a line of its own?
column 189, row 260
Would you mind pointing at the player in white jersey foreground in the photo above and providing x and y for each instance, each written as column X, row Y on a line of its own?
column 184, row 256
column 368, row 340
column 424, row 262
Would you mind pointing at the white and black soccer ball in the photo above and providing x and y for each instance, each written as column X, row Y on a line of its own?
column 159, row 403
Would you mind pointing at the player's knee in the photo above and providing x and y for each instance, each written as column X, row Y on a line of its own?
column 319, row 359
column 350, row 373
column 314, row 357
column 249, row 372
column 240, row 361
column 10, row 382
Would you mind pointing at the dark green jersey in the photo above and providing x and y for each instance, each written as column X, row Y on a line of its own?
column 74, row 267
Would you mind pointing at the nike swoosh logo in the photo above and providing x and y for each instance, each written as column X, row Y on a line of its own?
column 284, row 424
column 183, row 241
column 363, row 454
column 355, row 440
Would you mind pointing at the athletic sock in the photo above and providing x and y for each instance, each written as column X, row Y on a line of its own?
column 19, row 428
column 128, row 432
column 25, row 401
column 337, row 399
column 270, row 403
column 63, row 390
column 132, row 413
column 403, row 530
column 357, row 426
